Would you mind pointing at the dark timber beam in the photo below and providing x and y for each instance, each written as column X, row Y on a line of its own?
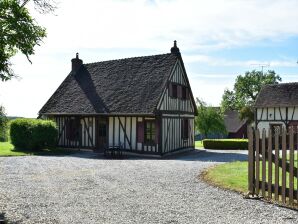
column 293, row 113
column 124, row 131
column 88, row 133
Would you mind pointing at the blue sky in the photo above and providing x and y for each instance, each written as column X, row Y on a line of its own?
column 218, row 39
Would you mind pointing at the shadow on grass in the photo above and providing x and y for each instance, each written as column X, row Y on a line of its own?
column 44, row 152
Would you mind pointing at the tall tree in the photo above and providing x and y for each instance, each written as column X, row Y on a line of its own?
column 209, row 119
column 19, row 32
column 245, row 92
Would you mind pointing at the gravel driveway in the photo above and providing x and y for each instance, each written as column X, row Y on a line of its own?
column 85, row 188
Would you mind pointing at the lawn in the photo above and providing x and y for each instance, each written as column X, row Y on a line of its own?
column 199, row 144
column 7, row 149
column 234, row 176
column 231, row 176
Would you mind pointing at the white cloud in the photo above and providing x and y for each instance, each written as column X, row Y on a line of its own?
column 215, row 61
column 200, row 26
column 197, row 24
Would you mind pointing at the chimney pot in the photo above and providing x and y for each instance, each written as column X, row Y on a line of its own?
column 76, row 63
column 175, row 49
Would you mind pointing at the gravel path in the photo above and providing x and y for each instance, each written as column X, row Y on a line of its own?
column 85, row 188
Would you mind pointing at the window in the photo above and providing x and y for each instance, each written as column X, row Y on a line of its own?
column 276, row 128
column 174, row 90
column 184, row 129
column 150, row 132
column 184, row 93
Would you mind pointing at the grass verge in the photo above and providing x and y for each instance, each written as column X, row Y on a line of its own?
column 231, row 176
column 199, row 144
column 7, row 149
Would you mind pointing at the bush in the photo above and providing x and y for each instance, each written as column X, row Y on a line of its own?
column 225, row 143
column 33, row 133
column 3, row 125
column 4, row 133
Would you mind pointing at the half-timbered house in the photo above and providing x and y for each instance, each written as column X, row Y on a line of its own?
column 277, row 106
column 140, row 104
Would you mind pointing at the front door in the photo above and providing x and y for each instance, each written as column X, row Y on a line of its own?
column 102, row 133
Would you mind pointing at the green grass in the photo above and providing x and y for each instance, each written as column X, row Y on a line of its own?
column 231, row 176
column 199, row 144
column 234, row 176
column 7, row 149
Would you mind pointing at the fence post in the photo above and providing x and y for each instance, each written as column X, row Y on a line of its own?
column 257, row 159
column 284, row 161
column 264, row 162
column 291, row 177
column 251, row 161
column 276, row 164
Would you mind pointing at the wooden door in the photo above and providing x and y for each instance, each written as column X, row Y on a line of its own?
column 102, row 133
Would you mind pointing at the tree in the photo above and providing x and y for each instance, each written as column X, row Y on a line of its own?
column 19, row 32
column 209, row 119
column 245, row 92
column 3, row 124
column 229, row 101
column 43, row 6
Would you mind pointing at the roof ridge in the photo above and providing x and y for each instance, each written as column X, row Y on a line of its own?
column 283, row 83
column 139, row 57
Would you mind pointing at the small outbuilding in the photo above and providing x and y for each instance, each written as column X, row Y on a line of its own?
column 236, row 128
column 277, row 106
column 141, row 105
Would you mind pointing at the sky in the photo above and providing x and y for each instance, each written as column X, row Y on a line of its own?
column 218, row 40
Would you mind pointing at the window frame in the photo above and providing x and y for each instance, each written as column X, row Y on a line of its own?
column 271, row 125
column 185, row 128
column 152, row 132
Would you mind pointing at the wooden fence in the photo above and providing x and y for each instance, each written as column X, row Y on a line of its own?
column 272, row 164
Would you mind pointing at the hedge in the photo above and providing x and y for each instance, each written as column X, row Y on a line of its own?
column 33, row 133
column 225, row 143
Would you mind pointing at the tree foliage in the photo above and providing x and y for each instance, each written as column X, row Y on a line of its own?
column 209, row 119
column 42, row 6
column 3, row 124
column 19, row 32
column 245, row 92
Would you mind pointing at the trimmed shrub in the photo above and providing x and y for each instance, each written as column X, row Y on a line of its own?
column 33, row 133
column 225, row 143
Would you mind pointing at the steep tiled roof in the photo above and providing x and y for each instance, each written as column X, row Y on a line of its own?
column 278, row 95
column 232, row 121
column 130, row 85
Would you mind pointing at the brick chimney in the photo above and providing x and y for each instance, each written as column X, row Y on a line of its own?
column 175, row 49
column 76, row 63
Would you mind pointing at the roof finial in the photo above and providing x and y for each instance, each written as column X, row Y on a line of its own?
column 175, row 49
column 77, row 55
